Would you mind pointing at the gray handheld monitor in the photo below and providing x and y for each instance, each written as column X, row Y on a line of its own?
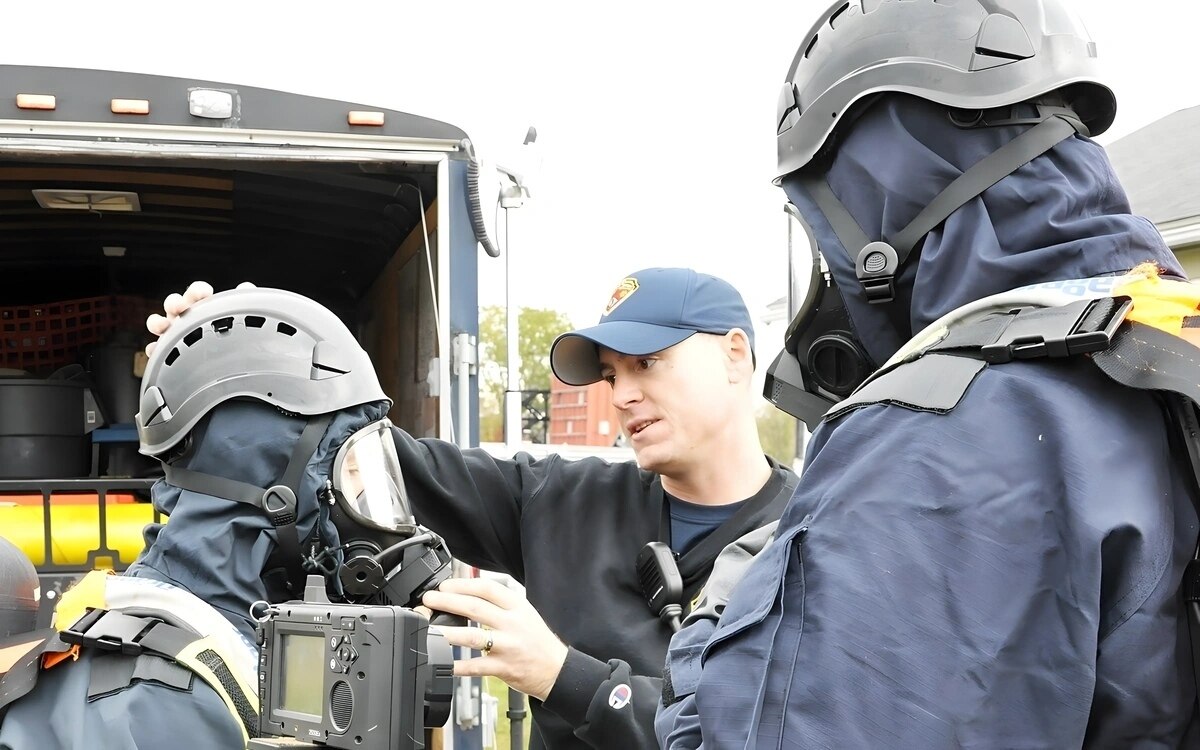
column 368, row 677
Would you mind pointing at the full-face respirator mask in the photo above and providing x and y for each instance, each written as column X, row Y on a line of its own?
column 822, row 361
column 386, row 558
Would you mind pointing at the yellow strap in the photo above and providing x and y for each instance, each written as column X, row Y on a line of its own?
column 88, row 592
column 188, row 657
column 1158, row 302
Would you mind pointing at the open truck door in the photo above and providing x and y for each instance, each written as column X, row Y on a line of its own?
column 117, row 189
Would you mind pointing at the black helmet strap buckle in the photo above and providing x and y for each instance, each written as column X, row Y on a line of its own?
column 279, row 503
column 877, row 263
column 876, row 267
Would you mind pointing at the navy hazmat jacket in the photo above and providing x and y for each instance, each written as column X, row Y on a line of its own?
column 214, row 548
column 1003, row 575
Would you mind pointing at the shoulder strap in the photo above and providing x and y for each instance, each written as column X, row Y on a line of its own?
column 935, row 383
column 1146, row 358
column 134, row 635
column 764, row 507
column 935, row 378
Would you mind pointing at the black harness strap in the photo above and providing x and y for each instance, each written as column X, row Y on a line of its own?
column 695, row 565
column 935, row 378
column 137, row 636
column 1081, row 327
column 278, row 502
column 983, row 174
column 211, row 484
column 1147, row 358
column 878, row 263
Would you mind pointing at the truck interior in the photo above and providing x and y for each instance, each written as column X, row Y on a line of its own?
column 291, row 224
column 91, row 246
column 349, row 235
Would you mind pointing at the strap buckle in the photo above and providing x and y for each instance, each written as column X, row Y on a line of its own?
column 1081, row 327
column 880, row 290
column 876, row 268
column 279, row 503
column 109, row 631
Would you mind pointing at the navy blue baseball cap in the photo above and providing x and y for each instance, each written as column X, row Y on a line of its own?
column 649, row 311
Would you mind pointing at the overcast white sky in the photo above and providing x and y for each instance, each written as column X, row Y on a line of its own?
column 654, row 119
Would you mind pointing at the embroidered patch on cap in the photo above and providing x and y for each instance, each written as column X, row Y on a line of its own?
column 628, row 286
column 620, row 695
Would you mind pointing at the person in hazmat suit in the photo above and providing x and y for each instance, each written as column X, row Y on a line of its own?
column 266, row 414
column 989, row 542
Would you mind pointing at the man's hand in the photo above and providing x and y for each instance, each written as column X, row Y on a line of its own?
column 524, row 652
column 175, row 305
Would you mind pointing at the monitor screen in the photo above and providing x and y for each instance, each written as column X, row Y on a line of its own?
column 302, row 673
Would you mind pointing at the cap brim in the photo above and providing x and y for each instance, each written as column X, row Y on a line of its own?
column 575, row 359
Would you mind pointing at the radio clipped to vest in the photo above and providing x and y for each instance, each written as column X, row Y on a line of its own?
column 662, row 584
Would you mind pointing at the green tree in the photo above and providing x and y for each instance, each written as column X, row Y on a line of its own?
column 538, row 329
column 777, row 431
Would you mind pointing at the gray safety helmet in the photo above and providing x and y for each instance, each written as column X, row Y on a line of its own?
column 18, row 591
column 967, row 54
column 267, row 344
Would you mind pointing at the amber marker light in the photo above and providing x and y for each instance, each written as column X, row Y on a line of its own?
column 131, row 106
column 36, row 101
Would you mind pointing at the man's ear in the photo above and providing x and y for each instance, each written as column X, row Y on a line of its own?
column 739, row 355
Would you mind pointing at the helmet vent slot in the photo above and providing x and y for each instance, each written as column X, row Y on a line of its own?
column 174, row 355
column 221, row 325
column 832, row 19
column 255, row 321
column 194, row 336
column 808, row 50
column 285, row 329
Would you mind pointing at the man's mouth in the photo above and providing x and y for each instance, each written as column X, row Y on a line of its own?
column 637, row 426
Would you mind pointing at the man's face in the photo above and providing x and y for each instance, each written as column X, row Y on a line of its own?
column 673, row 404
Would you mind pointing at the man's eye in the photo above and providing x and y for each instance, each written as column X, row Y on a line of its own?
column 610, row 379
column 645, row 363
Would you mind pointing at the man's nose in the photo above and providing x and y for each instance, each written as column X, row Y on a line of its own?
column 625, row 392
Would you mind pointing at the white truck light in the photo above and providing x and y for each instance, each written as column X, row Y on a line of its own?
column 210, row 103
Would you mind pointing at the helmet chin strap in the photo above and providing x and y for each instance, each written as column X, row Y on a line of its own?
column 278, row 502
column 876, row 263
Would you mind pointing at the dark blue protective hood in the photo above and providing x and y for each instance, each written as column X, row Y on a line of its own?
column 1062, row 216
column 217, row 548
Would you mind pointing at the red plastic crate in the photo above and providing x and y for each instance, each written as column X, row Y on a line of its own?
column 41, row 338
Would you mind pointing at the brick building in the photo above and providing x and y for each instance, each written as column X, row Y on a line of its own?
column 582, row 415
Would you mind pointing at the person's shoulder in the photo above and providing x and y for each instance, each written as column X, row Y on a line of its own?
column 1014, row 409
column 601, row 466
column 1021, row 390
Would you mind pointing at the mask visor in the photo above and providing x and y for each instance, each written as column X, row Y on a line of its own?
column 368, row 482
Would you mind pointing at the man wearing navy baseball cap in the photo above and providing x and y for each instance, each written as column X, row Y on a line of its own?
column 650, row 311
column 677, row 348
